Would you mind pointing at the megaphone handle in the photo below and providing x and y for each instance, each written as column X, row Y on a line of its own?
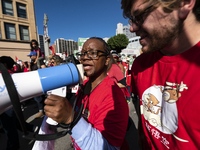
column 59, row 92
column 51, row 122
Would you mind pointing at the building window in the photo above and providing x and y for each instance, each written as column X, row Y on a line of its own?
column 21, row 10
column 7, row 7
column 24, row 33
column 10, row 31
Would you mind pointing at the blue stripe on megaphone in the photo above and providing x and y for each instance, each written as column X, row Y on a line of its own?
column 58, row 76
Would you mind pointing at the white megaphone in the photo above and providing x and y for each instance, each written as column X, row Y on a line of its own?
column 36, row 83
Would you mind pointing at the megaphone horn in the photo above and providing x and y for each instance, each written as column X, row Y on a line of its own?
column 36, row 83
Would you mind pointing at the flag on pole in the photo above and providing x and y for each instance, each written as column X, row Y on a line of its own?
column 51, row 48
column 16, row 58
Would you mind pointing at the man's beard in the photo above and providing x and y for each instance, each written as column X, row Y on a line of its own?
column 159, row 39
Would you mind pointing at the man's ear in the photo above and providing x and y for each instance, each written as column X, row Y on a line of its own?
column 185, row 7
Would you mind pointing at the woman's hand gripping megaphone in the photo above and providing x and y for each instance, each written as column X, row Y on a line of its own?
column 56, row 103
column 59, row 109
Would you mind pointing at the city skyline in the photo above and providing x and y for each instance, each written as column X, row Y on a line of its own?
column 79, row 19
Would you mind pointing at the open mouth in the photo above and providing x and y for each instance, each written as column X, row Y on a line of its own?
column 86, row 66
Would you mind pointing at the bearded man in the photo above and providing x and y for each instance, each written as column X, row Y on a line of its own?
column 166, row 75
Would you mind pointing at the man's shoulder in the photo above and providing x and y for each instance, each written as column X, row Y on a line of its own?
column 144, row 60
column 115, row 70
column 115, row 66
column 145, row 57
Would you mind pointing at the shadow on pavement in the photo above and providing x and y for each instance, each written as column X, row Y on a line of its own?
column 132, row 135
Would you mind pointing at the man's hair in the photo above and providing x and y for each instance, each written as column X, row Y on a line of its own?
column 196, row 10
column 168, row 4
column 105, row 45
column 8, row 61
column 57, row 59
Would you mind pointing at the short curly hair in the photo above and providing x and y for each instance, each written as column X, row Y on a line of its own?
column 106, row 47
column 168, row 4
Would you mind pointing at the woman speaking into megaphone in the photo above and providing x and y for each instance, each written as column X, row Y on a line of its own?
column 104, row 117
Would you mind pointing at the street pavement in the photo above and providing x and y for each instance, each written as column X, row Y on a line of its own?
column 64, row 143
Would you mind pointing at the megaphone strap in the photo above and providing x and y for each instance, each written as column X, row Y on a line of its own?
column 46, row 137
column 73, row 123
column 14, row 98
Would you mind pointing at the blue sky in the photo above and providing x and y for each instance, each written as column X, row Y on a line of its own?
column 71, row 19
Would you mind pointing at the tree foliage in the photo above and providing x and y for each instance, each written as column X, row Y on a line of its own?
column 118, row 42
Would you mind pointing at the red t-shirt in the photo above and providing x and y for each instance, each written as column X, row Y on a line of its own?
column 15, row 68
column 107, row 111
column 26, row 69
column 128, row 80
column 126, row 67
column 168, row 88
column 116, row 75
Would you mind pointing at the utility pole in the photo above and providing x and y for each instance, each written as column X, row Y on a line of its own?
column 46, row 36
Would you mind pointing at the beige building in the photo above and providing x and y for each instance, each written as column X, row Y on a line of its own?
column 68, row 46
column 17, row 28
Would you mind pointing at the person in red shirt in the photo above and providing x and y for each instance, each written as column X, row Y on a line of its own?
column 105, row 114
column 25, row 66
column 116, row 59
column 166, row 76
column 115, row 73
column 128, row 80
column 8, row 119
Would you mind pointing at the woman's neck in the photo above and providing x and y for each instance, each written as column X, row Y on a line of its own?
column 94, row 82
